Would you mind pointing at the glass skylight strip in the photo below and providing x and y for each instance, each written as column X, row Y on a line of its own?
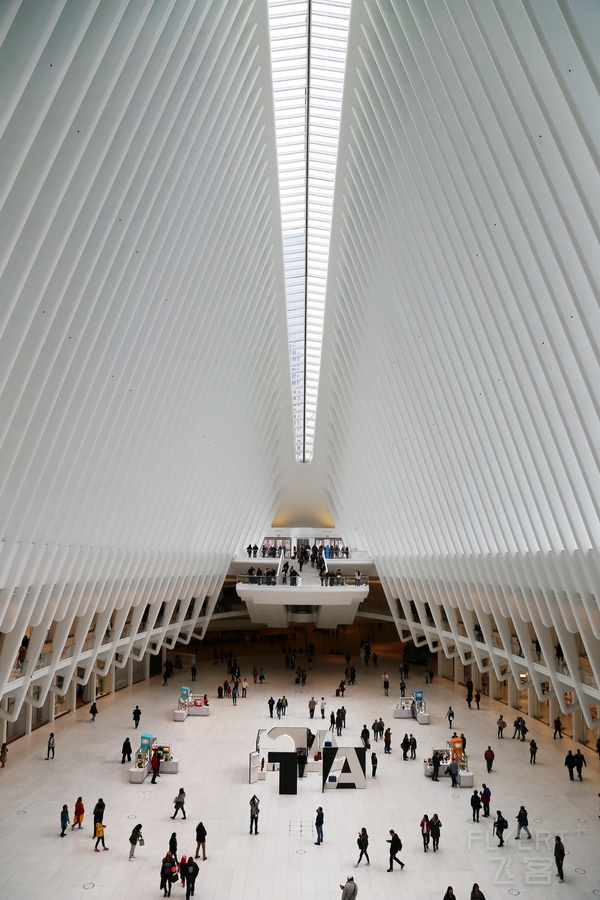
column 307, row 83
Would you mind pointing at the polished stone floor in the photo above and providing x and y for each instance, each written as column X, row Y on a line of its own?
column 282, row 863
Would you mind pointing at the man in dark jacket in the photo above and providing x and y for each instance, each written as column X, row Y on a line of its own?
column 579, row 763
column 570, row 763
column 436, row 763
column 559, row 855
column 126, row 751
column 190, row 872
column 395, row 848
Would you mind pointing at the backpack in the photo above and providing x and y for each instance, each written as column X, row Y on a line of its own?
column 502, row 823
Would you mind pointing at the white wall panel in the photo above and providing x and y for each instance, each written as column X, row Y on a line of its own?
column 459, row 408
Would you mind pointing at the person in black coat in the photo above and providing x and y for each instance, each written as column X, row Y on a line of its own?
column 374, row 764
column 189, row 871
column 173, row 847
column 126, row 751
column 395, row 848
column 570, row 763
column 200, row 840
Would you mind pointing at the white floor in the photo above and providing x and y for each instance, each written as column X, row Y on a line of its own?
column 279, row 863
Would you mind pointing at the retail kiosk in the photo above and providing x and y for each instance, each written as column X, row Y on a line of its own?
column 168, row 764
column 412, row 707
column 452, row 750
column 191, row 705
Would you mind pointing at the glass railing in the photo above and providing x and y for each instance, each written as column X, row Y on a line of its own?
column 44, row 660
column 331, row 580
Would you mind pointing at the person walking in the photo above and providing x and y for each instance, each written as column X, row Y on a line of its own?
column 166, row 871
column 64, row 819
column 374, row 764
column 475, row 805
column 533, row 749
column 254, row 813
column 135, row 838
column 93, row 711
column 126, row 751
column 271, row 704
column 51, row 746
column 79, row 814
column 350, row 889
column 189, row 873
column 450, row 716
column 436, row 763
column 489, row 757
column 395, row 848
column 425, row 826
column 449, row 895
column 284, row 705
column 323, row 705
column 99, row 835
column 312, row 703
column 200, row 840
column 137, row 715
column 522, row 824
column 477, row 893
column 234, row 695
column 477, row 698
column 557, row 728
column 386, row 685
column 363, row 844
column 500, row 826
column 3, row 754
column 436, row 827
column 319, row 825
column 364, row 735
column 501, row 723
column 559, row 856
column 570, row 763
column 486, row 799
column 179, row 802
column 402, row 689
column 173, row 847
column 98, row 812
column 580, row 763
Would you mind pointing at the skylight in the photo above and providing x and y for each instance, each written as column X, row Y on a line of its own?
column 308, row 47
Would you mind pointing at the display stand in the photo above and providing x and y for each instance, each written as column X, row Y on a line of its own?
column 412, row 707
column 447, row 754
column 168, row 764
column 191, row 705
column 199, row 705
column 183, row 705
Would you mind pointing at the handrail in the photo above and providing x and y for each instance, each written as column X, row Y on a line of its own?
column 277, row 580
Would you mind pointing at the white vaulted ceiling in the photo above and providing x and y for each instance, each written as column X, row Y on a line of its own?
column 146, row 404
column 145, row 383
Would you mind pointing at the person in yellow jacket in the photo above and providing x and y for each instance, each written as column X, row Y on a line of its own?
column 99, row 835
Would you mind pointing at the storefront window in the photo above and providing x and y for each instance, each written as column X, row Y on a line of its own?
column 101, row 686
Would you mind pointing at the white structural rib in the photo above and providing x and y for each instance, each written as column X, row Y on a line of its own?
column 308, row 46
column 460, row 379
column 144, row 408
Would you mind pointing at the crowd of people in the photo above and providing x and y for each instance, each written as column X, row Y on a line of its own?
column 184, row 869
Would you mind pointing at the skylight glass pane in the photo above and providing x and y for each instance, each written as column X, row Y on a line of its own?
column 307, row 85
